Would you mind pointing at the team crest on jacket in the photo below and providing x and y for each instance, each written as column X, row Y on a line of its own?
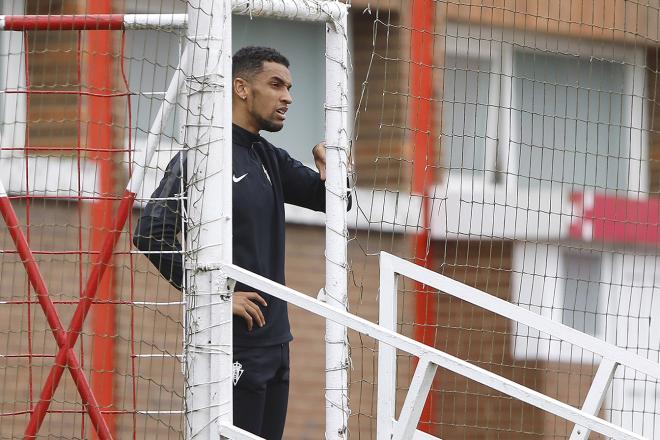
column 238, row 372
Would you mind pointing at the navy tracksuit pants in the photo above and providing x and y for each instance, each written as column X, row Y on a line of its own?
column 261, row 389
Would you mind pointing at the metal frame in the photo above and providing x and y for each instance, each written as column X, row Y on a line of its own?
column 389, row 338
column 392, row 267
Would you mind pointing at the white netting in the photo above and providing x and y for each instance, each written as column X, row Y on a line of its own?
column 510, row 146
column 77, row 109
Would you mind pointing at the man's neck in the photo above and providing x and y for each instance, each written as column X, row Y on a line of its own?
column 245, row 125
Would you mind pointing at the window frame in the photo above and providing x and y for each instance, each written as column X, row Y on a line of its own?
column 498, row 47
column 528, row 343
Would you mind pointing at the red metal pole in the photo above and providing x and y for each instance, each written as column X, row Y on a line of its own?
column 100, row 74
column 65, row 22
column 421, row 122
column 37, row 282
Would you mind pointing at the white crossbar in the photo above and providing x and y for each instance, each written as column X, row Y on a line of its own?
column 299, row 10
column 155, row 21
column 434, row 355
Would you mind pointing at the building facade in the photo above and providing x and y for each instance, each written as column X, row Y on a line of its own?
column 542, row 191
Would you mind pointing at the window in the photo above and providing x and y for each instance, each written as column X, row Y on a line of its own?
column 520, row 113
column 567, row 285
column 465, row 112
column 304, row 46
column 152, row 57
column 582, row 277
column 569, row 111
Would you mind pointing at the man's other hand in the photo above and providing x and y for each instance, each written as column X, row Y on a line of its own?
column 244, row 304
column 319, row 158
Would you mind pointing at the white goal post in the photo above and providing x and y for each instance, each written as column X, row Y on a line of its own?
column 208, row 316
column 202, row 86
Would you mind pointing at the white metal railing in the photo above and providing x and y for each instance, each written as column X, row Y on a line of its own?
column 612, row 356
column 430, row 357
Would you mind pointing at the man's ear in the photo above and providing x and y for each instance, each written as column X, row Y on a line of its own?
column 241, row 88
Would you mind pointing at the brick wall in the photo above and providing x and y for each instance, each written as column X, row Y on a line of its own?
column 380, row 90
column 600, row 19
column 52, row 59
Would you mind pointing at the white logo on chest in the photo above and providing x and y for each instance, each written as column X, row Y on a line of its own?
column 238, row 179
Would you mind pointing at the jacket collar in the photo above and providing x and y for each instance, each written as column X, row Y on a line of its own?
column 241, row 136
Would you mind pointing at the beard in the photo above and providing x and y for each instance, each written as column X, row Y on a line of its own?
column 269, row 125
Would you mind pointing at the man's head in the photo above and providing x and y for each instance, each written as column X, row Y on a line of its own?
column 261, row 83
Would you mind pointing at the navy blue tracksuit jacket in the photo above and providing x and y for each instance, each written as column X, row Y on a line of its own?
column 265, row 178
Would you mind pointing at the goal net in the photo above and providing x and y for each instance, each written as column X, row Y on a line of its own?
column 507, row 145
column 510, row 146
column 81, row 93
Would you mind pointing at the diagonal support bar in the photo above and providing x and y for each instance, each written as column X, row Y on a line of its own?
column 39, row 285
column 65, row 355
column 596, row 395
column 415, row 399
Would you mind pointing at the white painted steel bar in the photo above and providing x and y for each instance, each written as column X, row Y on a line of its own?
column 386, row 423
column 596, row 395
column 143, row 159
column 235, row 433
column 436, row 356
column 415, row 399
column 387, row 312
column 337, row 410
column 208, row 340
column 299, row 10
column 155, row 21
column 522, row 315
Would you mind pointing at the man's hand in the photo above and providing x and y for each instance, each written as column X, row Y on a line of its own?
column 244, row 304
column 319, row 158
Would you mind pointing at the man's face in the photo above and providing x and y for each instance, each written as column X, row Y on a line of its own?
column 269, row 99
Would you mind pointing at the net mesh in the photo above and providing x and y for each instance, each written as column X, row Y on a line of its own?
column 510, row 146
column 77, row 108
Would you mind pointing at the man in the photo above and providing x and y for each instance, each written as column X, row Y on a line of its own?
column 265, row 177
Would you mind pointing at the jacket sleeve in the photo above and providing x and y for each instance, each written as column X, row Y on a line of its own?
column 160, row 223
column 302, row 186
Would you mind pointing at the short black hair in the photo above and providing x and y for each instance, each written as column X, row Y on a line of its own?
column 249, row 60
